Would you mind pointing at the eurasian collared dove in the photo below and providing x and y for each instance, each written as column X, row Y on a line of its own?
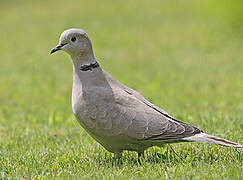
column 118, row 117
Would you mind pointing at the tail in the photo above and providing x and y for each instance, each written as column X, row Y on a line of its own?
column 205, row 138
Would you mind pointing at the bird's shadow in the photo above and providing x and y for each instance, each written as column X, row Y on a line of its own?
column 169, row 157
column 132, row 159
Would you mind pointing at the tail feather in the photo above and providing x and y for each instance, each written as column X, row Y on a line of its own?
column 205, row 138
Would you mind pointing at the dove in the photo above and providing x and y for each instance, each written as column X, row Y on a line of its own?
column 116, row 116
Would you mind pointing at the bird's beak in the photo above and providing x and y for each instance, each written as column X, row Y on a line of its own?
column 57, row 48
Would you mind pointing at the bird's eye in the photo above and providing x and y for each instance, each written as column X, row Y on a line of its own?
column 73, row 39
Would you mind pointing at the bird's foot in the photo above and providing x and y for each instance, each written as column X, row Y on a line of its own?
column 140, row 157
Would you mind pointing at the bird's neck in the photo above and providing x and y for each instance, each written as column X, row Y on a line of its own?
column 83, row 60
column 80, row 76
column 86, row 77
column 83, row 81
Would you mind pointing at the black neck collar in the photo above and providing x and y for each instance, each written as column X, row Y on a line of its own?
column 89, row 67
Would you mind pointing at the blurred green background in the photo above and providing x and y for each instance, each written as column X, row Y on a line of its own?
column 185, row 56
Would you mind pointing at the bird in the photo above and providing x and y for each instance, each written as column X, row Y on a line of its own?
column 116, row 116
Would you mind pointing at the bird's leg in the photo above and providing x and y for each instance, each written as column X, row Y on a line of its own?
column 175, row 152
column 140, row 155
column 118, row 155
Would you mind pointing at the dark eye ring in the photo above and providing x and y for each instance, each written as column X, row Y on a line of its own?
column 73, row 39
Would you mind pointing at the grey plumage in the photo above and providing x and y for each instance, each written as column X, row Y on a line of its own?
column 118, row 117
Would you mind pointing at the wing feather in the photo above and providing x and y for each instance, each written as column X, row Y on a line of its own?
column 160, row 125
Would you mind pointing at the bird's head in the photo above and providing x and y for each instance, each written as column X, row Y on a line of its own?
column 75, row 42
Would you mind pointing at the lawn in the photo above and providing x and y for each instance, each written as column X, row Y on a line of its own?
column 184, row 56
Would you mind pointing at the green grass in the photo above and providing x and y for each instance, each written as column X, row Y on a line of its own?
column 184, row 56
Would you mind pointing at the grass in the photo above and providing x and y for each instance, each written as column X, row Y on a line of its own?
column 184, row 56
